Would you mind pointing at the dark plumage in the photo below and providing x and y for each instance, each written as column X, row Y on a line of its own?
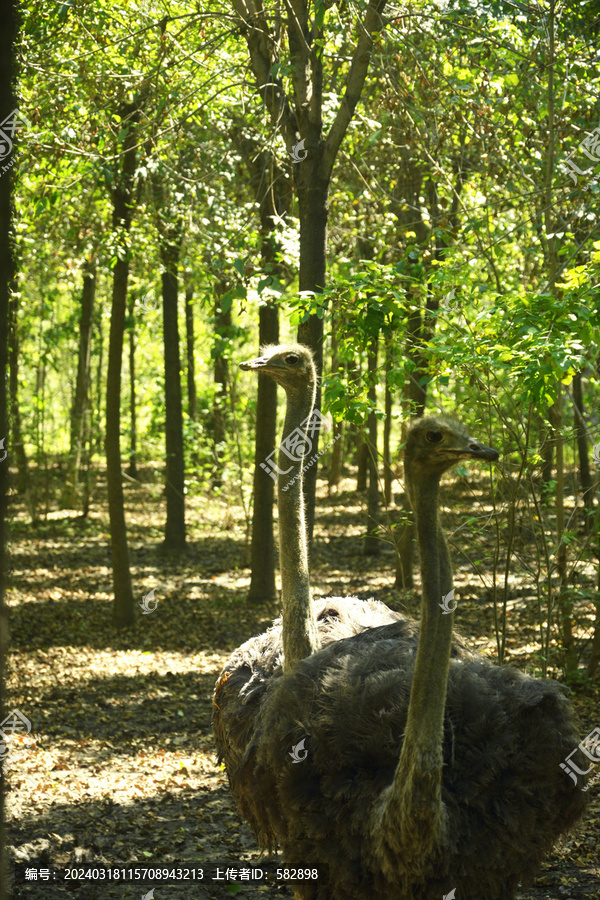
column 426, row 768
column 240, row 690
column 506, row 800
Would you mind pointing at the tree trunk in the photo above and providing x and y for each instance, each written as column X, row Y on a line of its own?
column 415, row 390
column 80, row 401
column 388, row 474
column 405, row 538
column 313, row 209
column 358, row 444
column 337, row 456
column 94, row 444
column 221, row 377
column 123, row 609
column 362, row 461
column 132, row 468
column 595, row 648
column 41, row 455
column 405, row 549
column 16, row 433
column 175, row 538
column 415, row 399
column 169, row 225
column 191, row 366
column 273, row 195
column 546, row 451
column 585, row 476
column 8, row 30
column 262, row 548
column 565, row 599
column 372, row 542
column 337, row 452
column 419, row 329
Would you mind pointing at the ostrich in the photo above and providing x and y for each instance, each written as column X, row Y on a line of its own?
column 305, row 626
column 422, row 773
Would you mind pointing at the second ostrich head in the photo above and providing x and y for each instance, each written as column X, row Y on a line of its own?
column 435, row 443
column 292, row 366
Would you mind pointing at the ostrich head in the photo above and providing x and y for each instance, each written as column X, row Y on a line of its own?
column 290, row 365
column 435, row 443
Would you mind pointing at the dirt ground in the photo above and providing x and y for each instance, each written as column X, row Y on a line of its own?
column 119, row 766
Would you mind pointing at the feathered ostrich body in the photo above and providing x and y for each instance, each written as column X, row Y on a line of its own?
column 426, row 769
column 306, row 626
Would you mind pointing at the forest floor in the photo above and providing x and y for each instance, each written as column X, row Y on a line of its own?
column 119, row 765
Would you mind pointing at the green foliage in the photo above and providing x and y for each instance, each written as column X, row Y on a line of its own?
column 459, row 240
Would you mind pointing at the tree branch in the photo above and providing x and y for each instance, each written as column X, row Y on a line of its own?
column 373, row 24
column 256, row 32
column 300, row 55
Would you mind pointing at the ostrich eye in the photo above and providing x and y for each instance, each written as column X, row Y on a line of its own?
column 291, row 359
column 434, row 437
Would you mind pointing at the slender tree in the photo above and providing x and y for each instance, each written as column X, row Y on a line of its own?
column 16, row 431
column 170, row 231
column 337, row 453
column 132, row 467
column 372, row 541
column 223, row 321
column 585, row 476
column 388, row 473
column 189, row 344
column 123, row 200
column 272, row 192
column 81, row 397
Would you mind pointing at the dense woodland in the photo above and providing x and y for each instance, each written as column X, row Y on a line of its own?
column 412, row 191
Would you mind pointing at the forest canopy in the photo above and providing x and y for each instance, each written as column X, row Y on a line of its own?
column 412, row 191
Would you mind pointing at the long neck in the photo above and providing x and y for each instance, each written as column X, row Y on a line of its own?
column 300, row 636
column 414, row 816
column 445, row 565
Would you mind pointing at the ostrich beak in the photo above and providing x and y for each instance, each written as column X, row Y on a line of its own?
column 475, row 450
column 259, row 363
